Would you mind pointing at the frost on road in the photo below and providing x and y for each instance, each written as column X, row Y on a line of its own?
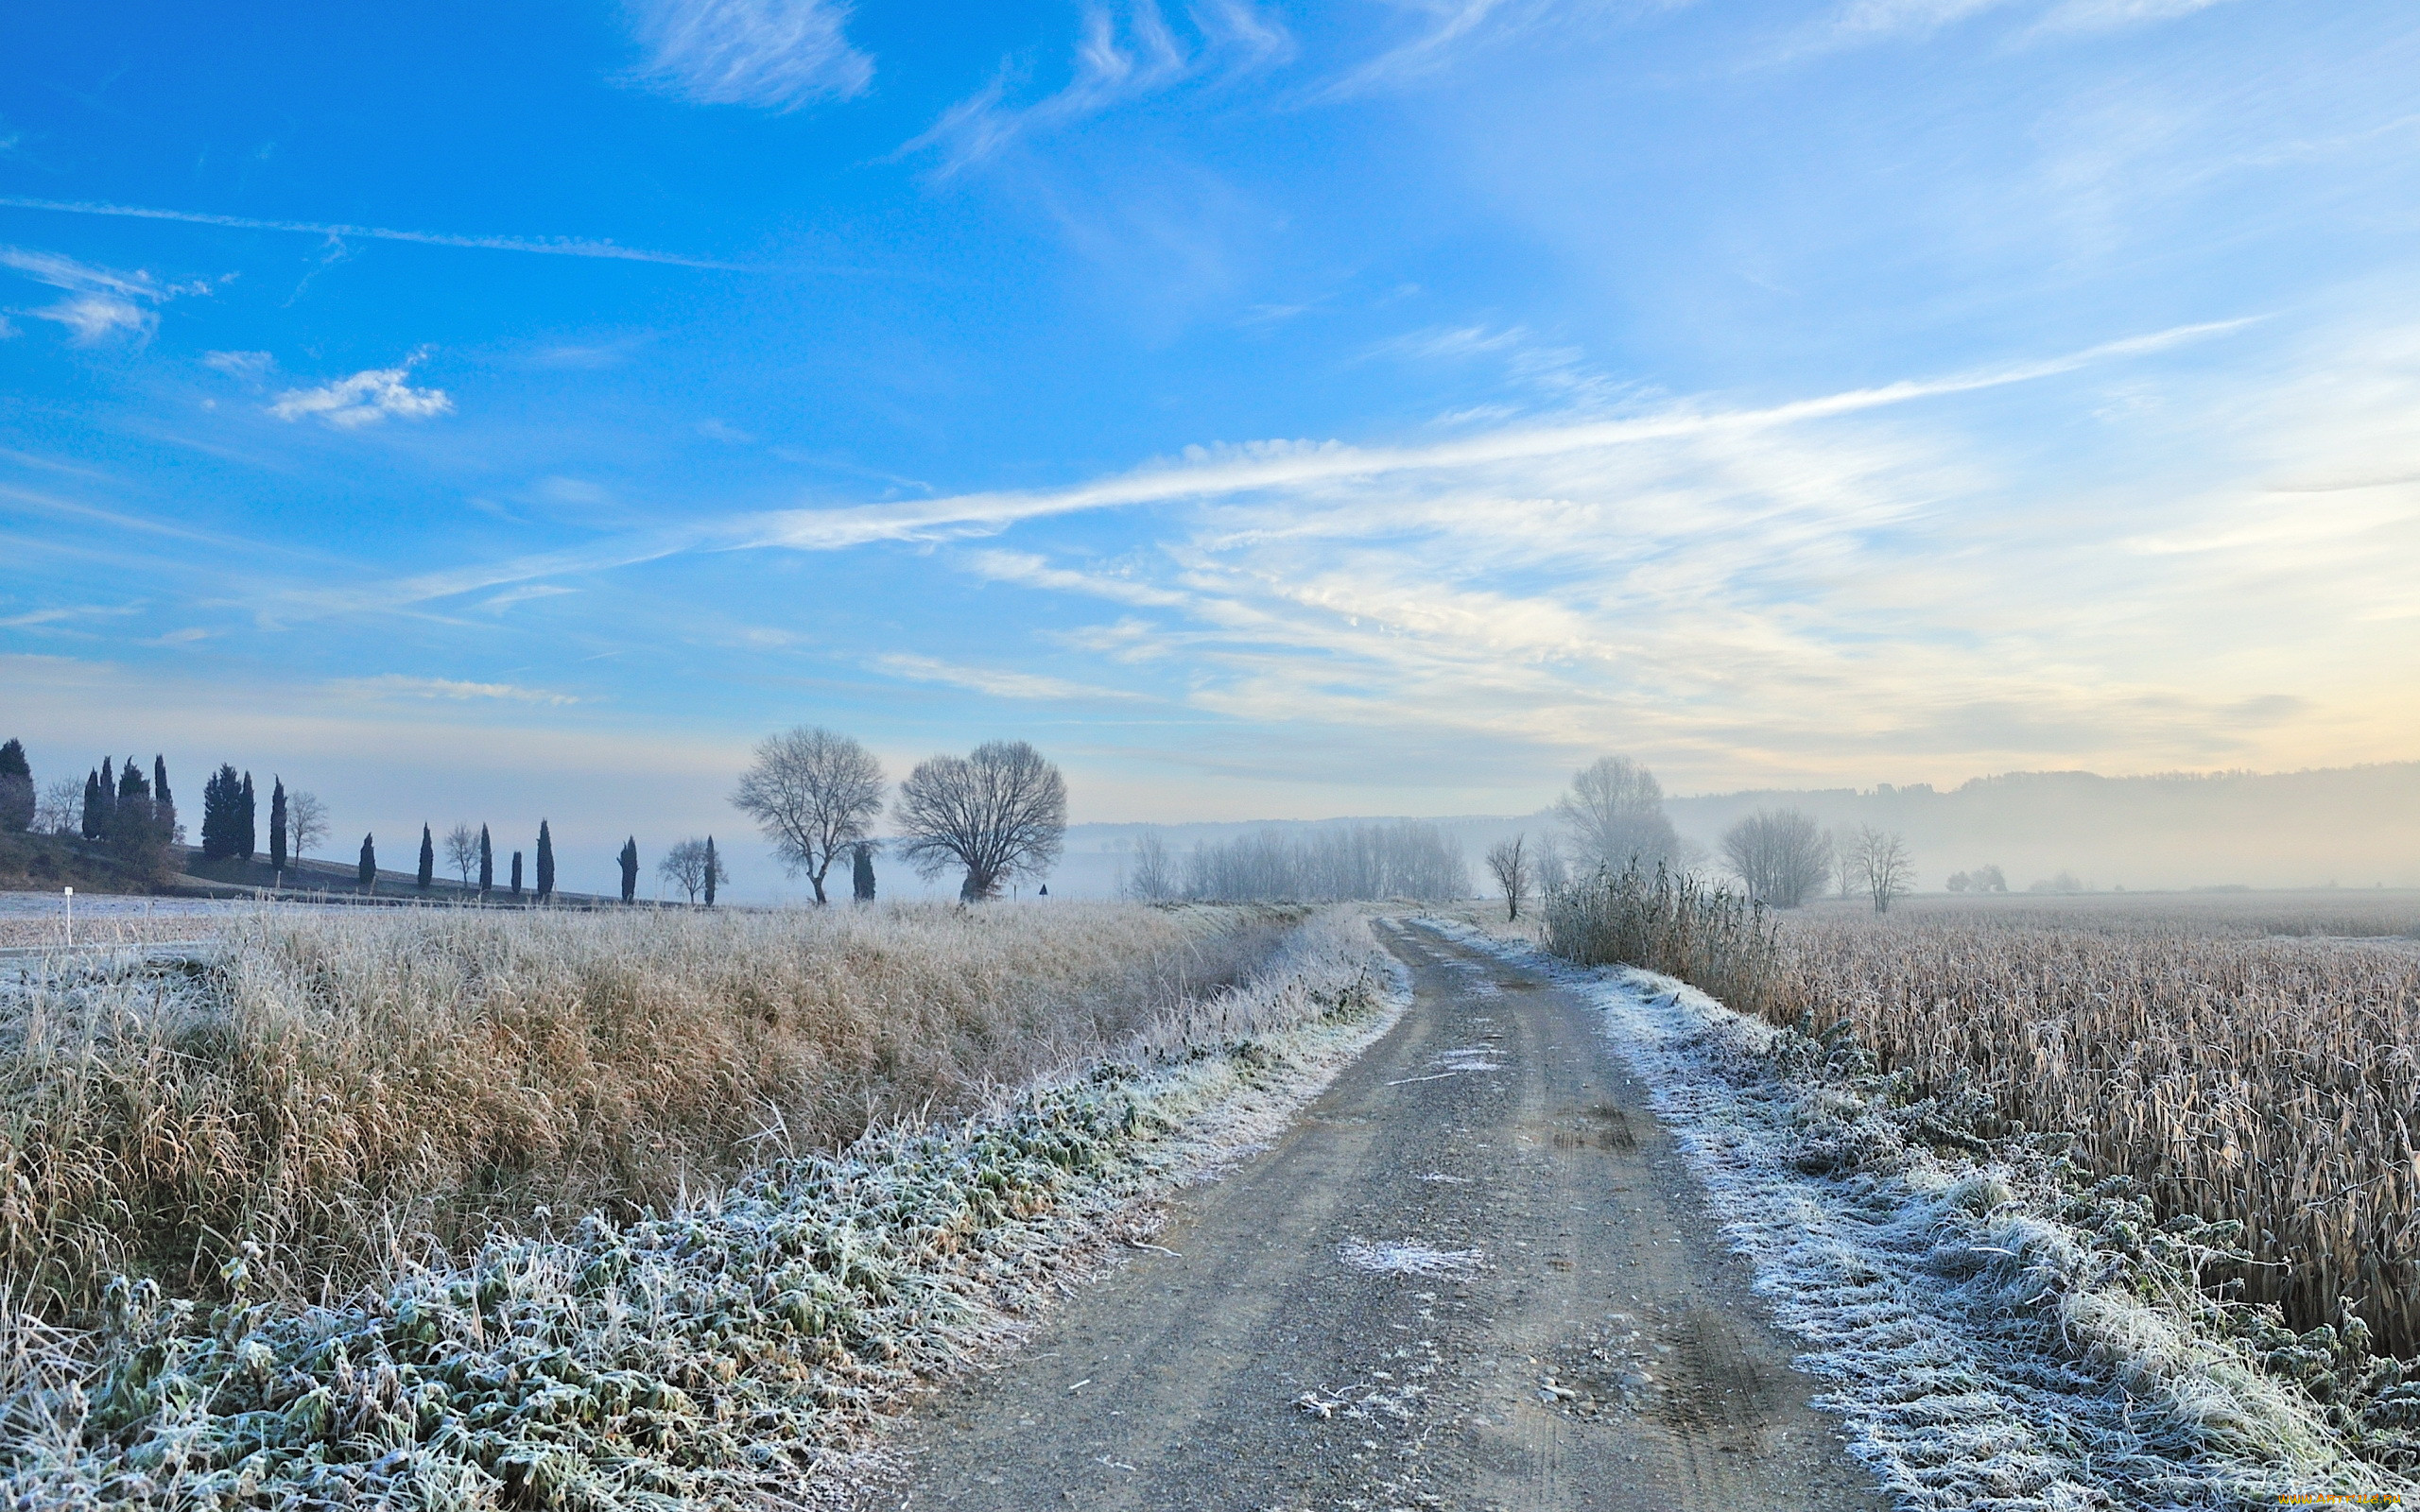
column 1475, row 1273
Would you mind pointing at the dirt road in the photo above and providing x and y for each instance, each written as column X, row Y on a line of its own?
column 1476, row 1274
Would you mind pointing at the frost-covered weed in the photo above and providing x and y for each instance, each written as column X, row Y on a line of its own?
column 718, row 1354
column 1408, row 1257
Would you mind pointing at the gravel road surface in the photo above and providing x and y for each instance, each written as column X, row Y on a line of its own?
column 1476, row 1274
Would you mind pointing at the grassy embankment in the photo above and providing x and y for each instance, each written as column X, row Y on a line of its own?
column 351, row 1094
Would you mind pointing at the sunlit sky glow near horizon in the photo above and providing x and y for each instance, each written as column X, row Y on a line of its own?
column 1269, row 411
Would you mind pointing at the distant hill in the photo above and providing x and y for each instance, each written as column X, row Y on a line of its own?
column 2347, row 826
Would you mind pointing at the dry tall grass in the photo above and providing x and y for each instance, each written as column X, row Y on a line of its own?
column 348, row 1093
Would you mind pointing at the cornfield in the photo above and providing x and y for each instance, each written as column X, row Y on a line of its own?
column 2273, row 1081
column 2238, row 1061
column 342, row 1097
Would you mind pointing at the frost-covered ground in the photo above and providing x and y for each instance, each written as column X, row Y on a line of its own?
column 1991, row 1335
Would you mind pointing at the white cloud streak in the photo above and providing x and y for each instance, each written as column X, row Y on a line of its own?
column 101, row 302
column 776, row 55
column 552, row 247
column 1116, row 62
column 993, row 681
column 395, row 685
column 366, row 397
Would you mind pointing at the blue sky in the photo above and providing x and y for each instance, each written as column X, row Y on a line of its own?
column 1379, row 408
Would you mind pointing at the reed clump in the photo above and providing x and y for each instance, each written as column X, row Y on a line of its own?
column 339, row 1098
column 1671, row 923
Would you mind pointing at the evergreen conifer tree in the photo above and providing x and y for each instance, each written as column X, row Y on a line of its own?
column 862, row 873
column 713, row 870
column 277, row 824
column 516, row 874
column 369, row 865
column 546, row 862
column 631, row 869
column 247, row 829
column 428, row 858
column 220, row 797
column 109, row 797
column 487, row 864
column 162, row 806
column 91, row 828
column 131, row 782
column 16, row 788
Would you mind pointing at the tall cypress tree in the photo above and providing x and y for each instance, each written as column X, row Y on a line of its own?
column 487, row 864
column 428, row 858
column 17, row 802
column 713, row 868
column 131, row 782
column 220, row 797
column 861, row 873
column 369, row 865
column 91, row 828
column 277, row 824
column 246, row 827
column 516, row 874
column 161, row 804
column 545, row 861
column 108, row 797
column 630, row 859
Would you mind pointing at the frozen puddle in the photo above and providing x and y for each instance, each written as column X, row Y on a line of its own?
column 1403, row 1257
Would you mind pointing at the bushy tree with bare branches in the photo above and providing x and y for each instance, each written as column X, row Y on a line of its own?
column 1615, row 814
column 1882, row 866
column 463, row 851
column 1000, row 813
column 693, row 866
column 814, row 793
column 1153, row 879
column 1780, row 856
column 1508, row 862
column 306, row 823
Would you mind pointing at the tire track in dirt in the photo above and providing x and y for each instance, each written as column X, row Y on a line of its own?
column 1475, row 1274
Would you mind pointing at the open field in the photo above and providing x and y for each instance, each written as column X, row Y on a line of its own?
column 353, row 1091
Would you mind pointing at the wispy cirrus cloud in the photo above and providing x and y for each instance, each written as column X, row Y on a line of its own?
column 364, row 399
column 1868, row 19
column 994, row 681
column 553, row 247
column 101, row 302
column 396, row 686
column 776, row 55
column 1118, row 59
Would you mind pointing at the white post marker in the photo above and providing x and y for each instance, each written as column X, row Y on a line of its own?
column 71, row 919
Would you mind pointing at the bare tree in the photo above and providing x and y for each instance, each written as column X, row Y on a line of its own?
column 462, row 851
column 1844, row 861
column 1000, row 813
column 814, row 793
column 61, row 809
column 306, row 820
column 691, row 867
column 1614, row 813
column 1153, row 879
column 1553, row 872
column 1508, row 862
column 1405, row 859
column 1780, row 856
column 1882, row 864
